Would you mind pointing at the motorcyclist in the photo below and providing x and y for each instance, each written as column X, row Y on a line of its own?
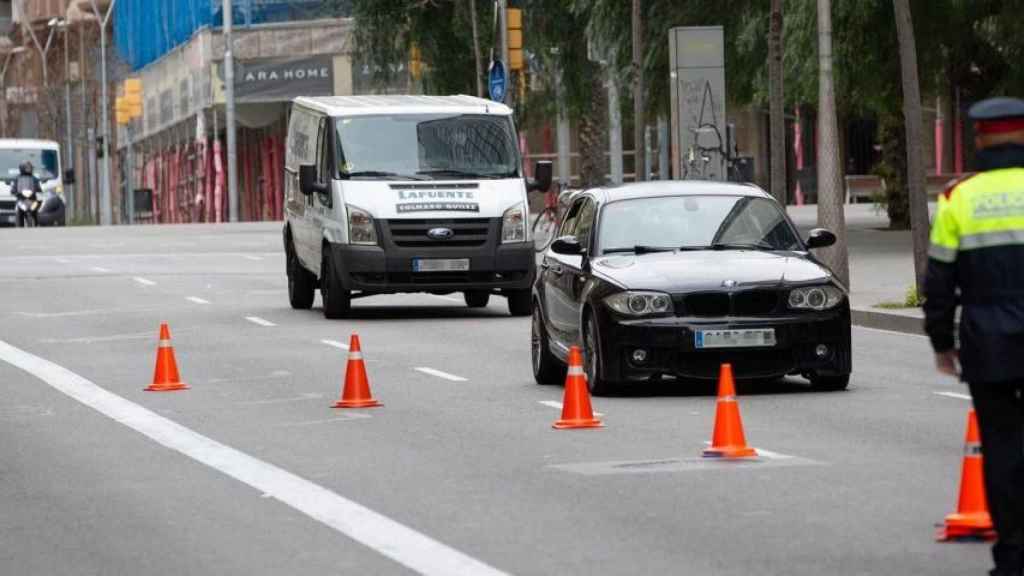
column 26, row 180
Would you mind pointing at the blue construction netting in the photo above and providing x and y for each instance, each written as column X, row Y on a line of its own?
column 145, row 30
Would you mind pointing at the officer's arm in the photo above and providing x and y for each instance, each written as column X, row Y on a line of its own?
column 941, row 278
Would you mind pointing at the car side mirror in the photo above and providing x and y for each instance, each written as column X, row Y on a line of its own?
column 69, row 177
column 567, row 246
column 820, row 238
column 542, row 175
column 308, row 179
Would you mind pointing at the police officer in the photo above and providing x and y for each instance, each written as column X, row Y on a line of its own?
column 976, row 260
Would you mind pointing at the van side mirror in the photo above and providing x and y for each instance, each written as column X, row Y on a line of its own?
column 308, row 179
column 69, row 177
column 567, row 246
column 820, row 238
column 542, row 175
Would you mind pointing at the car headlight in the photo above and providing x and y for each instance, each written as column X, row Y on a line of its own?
column 360, row 227
column 815, row 298
column 638, row 304
column 513, row 225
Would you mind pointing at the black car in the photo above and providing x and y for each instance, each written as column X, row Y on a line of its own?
column 675, row 278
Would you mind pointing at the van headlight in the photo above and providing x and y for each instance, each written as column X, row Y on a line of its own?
column 513, row 225
column 635, row 303
column 815, row 298
column 361, row 229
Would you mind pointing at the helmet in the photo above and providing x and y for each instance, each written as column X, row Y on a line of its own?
column 26, row 168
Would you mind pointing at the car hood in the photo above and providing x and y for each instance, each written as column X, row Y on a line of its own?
column 708, row 270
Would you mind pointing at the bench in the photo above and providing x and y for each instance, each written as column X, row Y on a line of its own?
column 863, row 186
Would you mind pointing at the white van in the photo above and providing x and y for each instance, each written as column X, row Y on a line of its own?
column 388, row 194
column 45, row 158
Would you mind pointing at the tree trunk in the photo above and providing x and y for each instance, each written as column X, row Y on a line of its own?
column 777, row 105
column 915, row 138
column 593, row 133
column 639, row 126
column 476, row 49
column 831, row 195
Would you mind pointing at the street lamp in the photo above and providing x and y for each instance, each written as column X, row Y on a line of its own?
column 8, row 55
column 106, row 213
column 63, row 25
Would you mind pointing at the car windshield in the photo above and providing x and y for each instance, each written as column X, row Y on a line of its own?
column 696, row 222
column 44, row 162
column 431, row 146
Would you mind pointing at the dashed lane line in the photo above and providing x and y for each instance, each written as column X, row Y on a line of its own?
column 335, row 344
column 558, row 406
column 414, row 550
column 62, row 261
column 253, row 258
column 260, row 321
column 300, row 398
column 440, row 374
column 100, row 269
column 957, row 395
column 144, row 281
column 197, row 300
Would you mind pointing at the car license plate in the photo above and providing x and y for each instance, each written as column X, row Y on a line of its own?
column 758, row 338
column 440, row 265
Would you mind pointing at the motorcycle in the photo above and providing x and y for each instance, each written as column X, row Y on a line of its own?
column 28, row 206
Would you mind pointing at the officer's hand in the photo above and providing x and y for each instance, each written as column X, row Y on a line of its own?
column 948, row 362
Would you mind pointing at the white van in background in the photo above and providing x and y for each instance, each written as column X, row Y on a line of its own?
column 389, row 194
column 45, row 158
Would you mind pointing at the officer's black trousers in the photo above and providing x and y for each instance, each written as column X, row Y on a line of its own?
column 1000, row 410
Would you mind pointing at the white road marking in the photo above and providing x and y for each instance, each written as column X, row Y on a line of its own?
column 345, row 418
column 439, row 374
column 410, row 548
column 956, row 395
column 299, row 398
column 260, row 321
column 335, row 344
column 100, row 269
column 449, row 298
column 144, row 281
column 93, row 339
column 558, row 406
column 197, row 300
column 62, row 261
column 95, row 312
column 890, row 332
column 253, row 258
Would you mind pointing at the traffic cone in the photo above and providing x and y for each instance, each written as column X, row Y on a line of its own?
column 576, row 409
column 356, row 393
column 165, row 377
column 727, row 440
column 971, row 519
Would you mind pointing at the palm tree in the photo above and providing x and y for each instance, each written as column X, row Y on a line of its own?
column 830, row 181
column 915, row 137
column 777, row 104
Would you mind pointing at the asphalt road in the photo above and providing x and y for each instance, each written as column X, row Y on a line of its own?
column 251, row 472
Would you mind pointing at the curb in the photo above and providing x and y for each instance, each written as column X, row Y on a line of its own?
column 903, row 323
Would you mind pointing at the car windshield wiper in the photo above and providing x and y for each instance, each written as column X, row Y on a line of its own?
column 742, row 246
column 461, row 173
column 379, row 174
column 640, row 249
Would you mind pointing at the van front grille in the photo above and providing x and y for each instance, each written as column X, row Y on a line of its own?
column 470, row 232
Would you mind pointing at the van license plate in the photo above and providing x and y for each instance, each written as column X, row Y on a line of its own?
column 440, row 265
column 734, row 338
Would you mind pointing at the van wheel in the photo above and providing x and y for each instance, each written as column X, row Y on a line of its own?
column 337, row 300
column 301, row 284
column 477, row 298
column 519, row 302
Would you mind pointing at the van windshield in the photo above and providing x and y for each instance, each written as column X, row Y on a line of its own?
column 44, row 162
column 427, row 146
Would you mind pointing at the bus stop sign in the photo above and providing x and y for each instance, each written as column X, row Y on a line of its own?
column 497, row 81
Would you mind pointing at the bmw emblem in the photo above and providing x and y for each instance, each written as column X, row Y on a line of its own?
column 441, row 233
column 729, row 284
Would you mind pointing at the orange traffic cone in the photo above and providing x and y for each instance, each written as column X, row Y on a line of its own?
column 165, row 377
column 576, row 409
column 971, row 519
column 727, row 440
column 357, row 387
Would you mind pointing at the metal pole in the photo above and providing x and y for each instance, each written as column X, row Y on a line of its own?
column 129, row 177
column 503, row 35
column 69, row 154
column 88, row 190
column 639, row 124
column 229, row 95
column 106, row 210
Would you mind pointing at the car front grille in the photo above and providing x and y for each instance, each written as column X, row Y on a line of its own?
column 721, row 304
column 7, row 204
column 706, row 364
column 469, row 232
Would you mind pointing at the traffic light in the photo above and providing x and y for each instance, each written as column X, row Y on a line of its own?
column 133, row 97
column 514, row 25
column 415, row 62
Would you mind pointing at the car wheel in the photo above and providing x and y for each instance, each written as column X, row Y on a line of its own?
column 593, row 360
column 546, row 368
column 477, row 298
column 337, row 301
column 519, row 302
column 831, row 383
column 301, row 284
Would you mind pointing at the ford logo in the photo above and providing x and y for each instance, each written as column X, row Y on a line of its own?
column 440, row 233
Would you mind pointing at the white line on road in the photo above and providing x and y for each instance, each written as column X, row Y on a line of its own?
column 299, row 398
column 197, row 300
column 345, row 418
column 449, row 298
column 144, row 281
column 100, row 269
column 335, row 344
column 890, row 332
column 253, row 258
column 956, row 395
column 260, row 321
column 94, row 339
column 439, row 374
column 558, row 406
column 62, row 261
column 400, row 543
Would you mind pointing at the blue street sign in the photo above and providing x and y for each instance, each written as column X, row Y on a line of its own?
column 497, row 80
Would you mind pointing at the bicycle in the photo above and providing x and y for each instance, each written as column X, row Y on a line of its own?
column 546, row 222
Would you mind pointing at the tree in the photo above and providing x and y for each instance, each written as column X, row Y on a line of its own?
column 915, row 137
column 476, row 49
column 639, row 144
column 777, row 100
column 830, row 182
